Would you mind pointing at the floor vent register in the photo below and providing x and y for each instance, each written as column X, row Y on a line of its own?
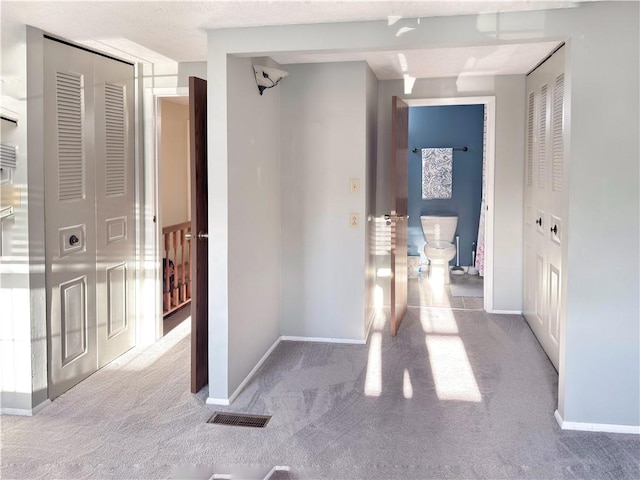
column 239, row 420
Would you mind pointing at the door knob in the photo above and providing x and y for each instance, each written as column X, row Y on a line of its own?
column 554, row 230
column 393, row 217
column 73, row 240
column 539, row 221
column 200, row 236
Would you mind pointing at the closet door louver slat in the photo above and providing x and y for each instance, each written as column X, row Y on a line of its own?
column 557, row 155
column 542, row 139
column 530, row 140
column 70, row 119
column 8, row 156
column 115, row 178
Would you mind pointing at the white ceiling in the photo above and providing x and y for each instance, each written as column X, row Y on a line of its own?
column 440, row 62
column 158, row 31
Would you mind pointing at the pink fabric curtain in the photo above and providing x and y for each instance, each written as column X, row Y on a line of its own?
column 480, row 243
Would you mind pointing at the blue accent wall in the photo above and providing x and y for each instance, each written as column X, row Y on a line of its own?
column 447, row 126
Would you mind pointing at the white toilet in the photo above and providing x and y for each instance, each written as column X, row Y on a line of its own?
column 439, row 232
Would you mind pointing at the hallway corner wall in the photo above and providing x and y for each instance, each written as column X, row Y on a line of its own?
column 23, row 337
column 254, row 218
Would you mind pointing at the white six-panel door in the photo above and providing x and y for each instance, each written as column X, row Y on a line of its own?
column 115, row 226
column 545, row 205
column 70, row 215
column 89, row 210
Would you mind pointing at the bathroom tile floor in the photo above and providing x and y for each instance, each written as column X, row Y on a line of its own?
column 425, row 293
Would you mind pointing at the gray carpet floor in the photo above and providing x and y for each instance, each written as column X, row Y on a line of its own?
column 388, row 410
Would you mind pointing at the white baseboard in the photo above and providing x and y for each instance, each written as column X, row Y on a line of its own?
column 277, row 468
column 596, row 427
column 25, row 412
column 505, row 312
column 374, row 312
column 232, row 397
column 323, row 340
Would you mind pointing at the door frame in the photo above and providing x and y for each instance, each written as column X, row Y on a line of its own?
column 489, row 103
column 150, row 326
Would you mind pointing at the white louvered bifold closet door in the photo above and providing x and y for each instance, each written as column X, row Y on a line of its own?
column 89, row 237
column 70, row 215
column 545, row 203
column 115, row 212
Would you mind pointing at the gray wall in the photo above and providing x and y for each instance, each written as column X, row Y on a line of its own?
column 599, row 352
column 254, row 219
column 509, row 91
column 244, row 221
column 323, row 146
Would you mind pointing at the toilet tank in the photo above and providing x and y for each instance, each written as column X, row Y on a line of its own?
column 439, row 227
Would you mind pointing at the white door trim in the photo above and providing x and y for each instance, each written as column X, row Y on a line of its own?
column 490, row 104
column 150, row 288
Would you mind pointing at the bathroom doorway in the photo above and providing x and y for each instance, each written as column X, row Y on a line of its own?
column 467, row 127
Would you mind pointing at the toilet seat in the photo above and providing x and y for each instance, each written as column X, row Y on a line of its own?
column 440, row 250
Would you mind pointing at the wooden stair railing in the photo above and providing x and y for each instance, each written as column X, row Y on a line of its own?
column 176, row 264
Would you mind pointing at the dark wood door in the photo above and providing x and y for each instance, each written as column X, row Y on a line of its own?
column 199, row 232
column 398, row 217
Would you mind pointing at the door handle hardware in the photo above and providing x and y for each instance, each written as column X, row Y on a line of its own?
column 539, row 221
column 554, row 230
column 73, row 240
column 200, row 236
column 393, row 217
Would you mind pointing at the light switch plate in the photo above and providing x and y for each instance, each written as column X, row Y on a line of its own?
column 354, row 185
column 354, row 220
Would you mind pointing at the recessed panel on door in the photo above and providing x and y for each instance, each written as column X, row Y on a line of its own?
column 540, row 222
column 539, row 290
column 555, row 229
column 528, row 215
column 528, row 284
column 554, row 303
column 117, row 299
column 73, row 317
column 116, row 229
column 72, row 240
